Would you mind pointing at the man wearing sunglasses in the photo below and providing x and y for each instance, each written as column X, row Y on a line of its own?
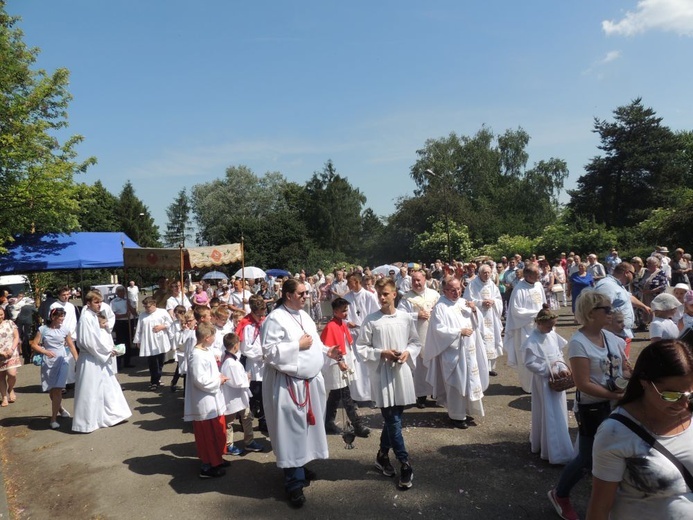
column 614, row 287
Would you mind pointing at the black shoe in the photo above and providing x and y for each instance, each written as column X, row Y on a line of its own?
column 309, row 475
column 214, row 472
column 406, row 475
column 492, row 373
column 362, row 431
column 297, row 498
column 173, row 389
column 332, row 429
column 462, row 425
column 421, row 402
column 470, row 421
column 224, row 464
column 382, row 463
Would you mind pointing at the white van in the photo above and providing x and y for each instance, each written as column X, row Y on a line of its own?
column 15, row 283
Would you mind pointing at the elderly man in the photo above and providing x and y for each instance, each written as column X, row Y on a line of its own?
column 526, row 301
column 456, row 356
column 487, row 298
column 418, row 303
column 614, row 288
column 339, row 286
column 595, row 268
column 403, row 280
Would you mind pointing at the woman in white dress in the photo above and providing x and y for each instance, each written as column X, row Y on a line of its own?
column 99, row 400
column 52, row 341
column 544, row 357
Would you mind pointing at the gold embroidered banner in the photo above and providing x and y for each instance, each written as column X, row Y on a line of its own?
column 169, row 258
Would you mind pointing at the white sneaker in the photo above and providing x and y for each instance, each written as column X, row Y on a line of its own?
column 64, row 413
column 55, row 425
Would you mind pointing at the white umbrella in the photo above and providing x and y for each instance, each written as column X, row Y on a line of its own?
column 250, row 273
column 385, row 269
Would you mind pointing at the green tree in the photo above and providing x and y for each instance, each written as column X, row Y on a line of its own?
column 36, row 169
column 135, row 220
column 332, row 211
column 98, row 208
column 178, row 228
column 263, row 210
column 433, row 244
column 643, row 161
column 671, row 224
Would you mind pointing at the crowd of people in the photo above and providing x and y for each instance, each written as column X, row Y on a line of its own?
column 288, row 352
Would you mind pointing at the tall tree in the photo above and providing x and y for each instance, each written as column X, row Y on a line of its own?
column 36, row 169
column 135, row 219
column 483, row 181
column 640, row 166
column 333, row 210
column 98, row 208
column 178, row 228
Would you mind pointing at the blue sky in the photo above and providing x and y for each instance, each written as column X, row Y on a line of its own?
column 168, row 93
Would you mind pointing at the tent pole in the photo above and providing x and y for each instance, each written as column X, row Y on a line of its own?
column 242, row 264
column 127, row 300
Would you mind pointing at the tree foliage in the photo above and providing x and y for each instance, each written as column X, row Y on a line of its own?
column 431, row 245
column 483, row 181
column 643, row 162
column 178, row 229
column 99, row 209
column 36, row 169
column 332, row 211
column 135, row 220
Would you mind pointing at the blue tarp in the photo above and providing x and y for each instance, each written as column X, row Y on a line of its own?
column 56, row 252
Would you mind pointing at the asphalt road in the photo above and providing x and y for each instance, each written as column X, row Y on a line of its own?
column 147, row 468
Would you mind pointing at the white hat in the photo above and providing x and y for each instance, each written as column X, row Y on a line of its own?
column 681, row 285
column 664, row 302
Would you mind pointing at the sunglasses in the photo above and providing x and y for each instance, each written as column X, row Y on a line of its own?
column 606, row 309
column 672, row 397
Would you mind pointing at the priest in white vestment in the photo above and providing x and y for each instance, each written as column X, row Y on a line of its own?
column 293, row 389
column 525, row 302
column 456, row 355
column 153, row 337
column 361, row 304
column 99, row 400
column 418, row 303
column 489, row 303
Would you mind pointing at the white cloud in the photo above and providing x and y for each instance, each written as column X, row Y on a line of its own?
column 610, row 56
column 665, row 15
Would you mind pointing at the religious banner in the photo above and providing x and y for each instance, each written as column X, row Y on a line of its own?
column 152, row 257
column 214, row 255
column 170, row 258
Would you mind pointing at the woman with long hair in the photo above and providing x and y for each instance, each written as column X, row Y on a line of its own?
column 632, row 477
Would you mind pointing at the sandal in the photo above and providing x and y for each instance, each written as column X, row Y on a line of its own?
column 13, row 397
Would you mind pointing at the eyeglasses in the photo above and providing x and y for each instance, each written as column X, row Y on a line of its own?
column 672, row 397
column 606, row 309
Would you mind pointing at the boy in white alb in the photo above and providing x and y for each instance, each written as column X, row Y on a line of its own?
column 204, row 404
column 236, row 392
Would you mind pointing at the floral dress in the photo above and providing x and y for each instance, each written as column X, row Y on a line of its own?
column 9, row 357
column 551, row 299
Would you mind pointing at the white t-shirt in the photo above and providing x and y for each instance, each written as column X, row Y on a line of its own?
column 581, row 347
column 663, row 328
column 650, row 486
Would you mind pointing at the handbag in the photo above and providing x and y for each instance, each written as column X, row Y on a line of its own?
column 557, row 288
column 37, row 359
column 654, row 443
column 590, row 416
column 560, row 383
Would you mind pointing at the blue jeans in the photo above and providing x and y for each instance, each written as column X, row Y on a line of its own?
column 294, row 478
column 391, row 436
column 576, row 468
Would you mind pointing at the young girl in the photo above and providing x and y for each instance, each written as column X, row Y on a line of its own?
column 236, row 392
column 50, row 340
column 662, row 327
column 204, row 404
column 549, row 435
column 179, row 326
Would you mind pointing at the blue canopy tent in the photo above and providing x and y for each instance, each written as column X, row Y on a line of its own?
column 58, row 252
